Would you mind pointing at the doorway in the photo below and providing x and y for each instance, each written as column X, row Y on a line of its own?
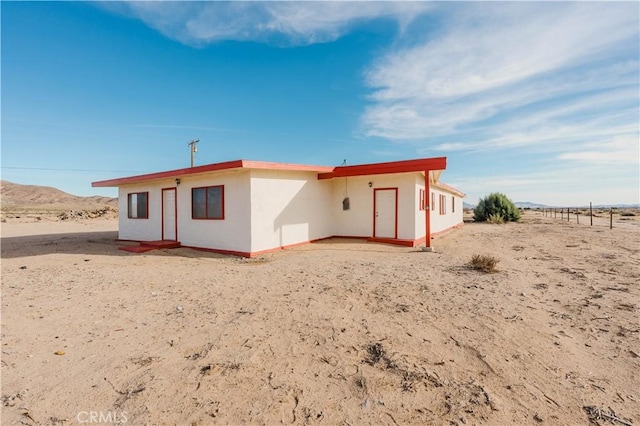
column 385, row 213
column 169, row 215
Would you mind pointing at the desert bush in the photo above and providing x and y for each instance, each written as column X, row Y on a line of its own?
column 627, row 214
column 496, row 204
column 495, row 218
column 484, row 263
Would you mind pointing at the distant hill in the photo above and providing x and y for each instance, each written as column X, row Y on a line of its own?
column 14, row 196
column 529, row 205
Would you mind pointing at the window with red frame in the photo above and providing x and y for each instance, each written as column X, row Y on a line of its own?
column 433, row 201
column 207, row 202
column 423, row 200
column 138, row 205
column 443, row 204
column 453, row 204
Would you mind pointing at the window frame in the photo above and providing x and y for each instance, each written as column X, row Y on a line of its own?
column 423, row 200
column 443, row 204
column 146, row 205
column 206, row 202
column 453, row 204
column 433, row 201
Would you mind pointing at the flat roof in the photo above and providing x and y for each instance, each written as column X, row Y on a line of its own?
column 227, row 165
column 324, row 172
column 417, row 165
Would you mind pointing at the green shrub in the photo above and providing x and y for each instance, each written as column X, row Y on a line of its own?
column 495, row 218
column 494, row 205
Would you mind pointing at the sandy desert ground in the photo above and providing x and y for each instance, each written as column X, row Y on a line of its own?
column 340, row 332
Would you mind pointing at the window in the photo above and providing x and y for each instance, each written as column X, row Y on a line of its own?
column 423, row 200
column 433, row 201
column 138, row 205
column 207, row 202
column 443, row 204
column 453, row 204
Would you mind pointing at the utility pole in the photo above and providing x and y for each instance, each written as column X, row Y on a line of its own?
column 194, row 148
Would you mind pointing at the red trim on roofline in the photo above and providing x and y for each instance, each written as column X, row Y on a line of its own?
column 324, row 172
column 418, row 165
column 449, row 188
column 228, row 165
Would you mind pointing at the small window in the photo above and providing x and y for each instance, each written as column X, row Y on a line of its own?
column 423, row 200
column 138, row 205
column 207, row 202
column 433, row 201
column 453, row 204
column 443, row 204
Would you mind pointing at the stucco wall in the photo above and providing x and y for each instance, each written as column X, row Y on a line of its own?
column 288, row 208
column 440, row 222
column 140, row 229
column 358, row 220
column 420, row 217
column 266, row 209
column 231, row 233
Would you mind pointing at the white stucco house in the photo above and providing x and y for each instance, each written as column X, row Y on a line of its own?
column 248, row 208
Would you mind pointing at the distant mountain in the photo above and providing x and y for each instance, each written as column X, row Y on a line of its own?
column 15, row 196
column 466, row 205
column 616, row 206
column 529, row 205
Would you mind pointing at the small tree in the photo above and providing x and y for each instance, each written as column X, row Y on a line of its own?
column 495, row 206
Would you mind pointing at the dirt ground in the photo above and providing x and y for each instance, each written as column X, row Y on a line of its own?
column 340, row 332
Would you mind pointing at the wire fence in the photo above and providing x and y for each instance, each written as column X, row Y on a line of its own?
column 568, row 213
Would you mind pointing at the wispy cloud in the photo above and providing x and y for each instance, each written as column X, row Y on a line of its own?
column 560, row 187
column 281, row 22
column 481, row 80
column 512, row 75
column 618, row 150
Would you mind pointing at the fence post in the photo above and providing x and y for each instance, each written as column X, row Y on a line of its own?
column 555, row 213
column 611, row 218
column 577, row 216
column 568, row 214
column 591, row 212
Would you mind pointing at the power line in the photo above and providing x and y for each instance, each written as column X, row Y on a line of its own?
column 73, row 170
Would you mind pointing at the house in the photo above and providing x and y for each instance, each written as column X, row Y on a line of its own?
column 249, row 207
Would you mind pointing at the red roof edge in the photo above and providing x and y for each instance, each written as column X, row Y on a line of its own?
column 449, row 188
column 324, row 172
column 418, row 165
column 228, row 165
column 169, row 174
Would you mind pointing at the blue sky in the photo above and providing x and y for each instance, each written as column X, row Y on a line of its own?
column 536, row 100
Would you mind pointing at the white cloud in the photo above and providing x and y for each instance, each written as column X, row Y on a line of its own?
column 620, row 149
column 560, row 185
column 281, row 22
column 507, row 75
column 594, row 117
column 492, row 45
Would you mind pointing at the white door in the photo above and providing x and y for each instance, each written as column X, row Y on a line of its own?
column 169, row 214
column 385, row 214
